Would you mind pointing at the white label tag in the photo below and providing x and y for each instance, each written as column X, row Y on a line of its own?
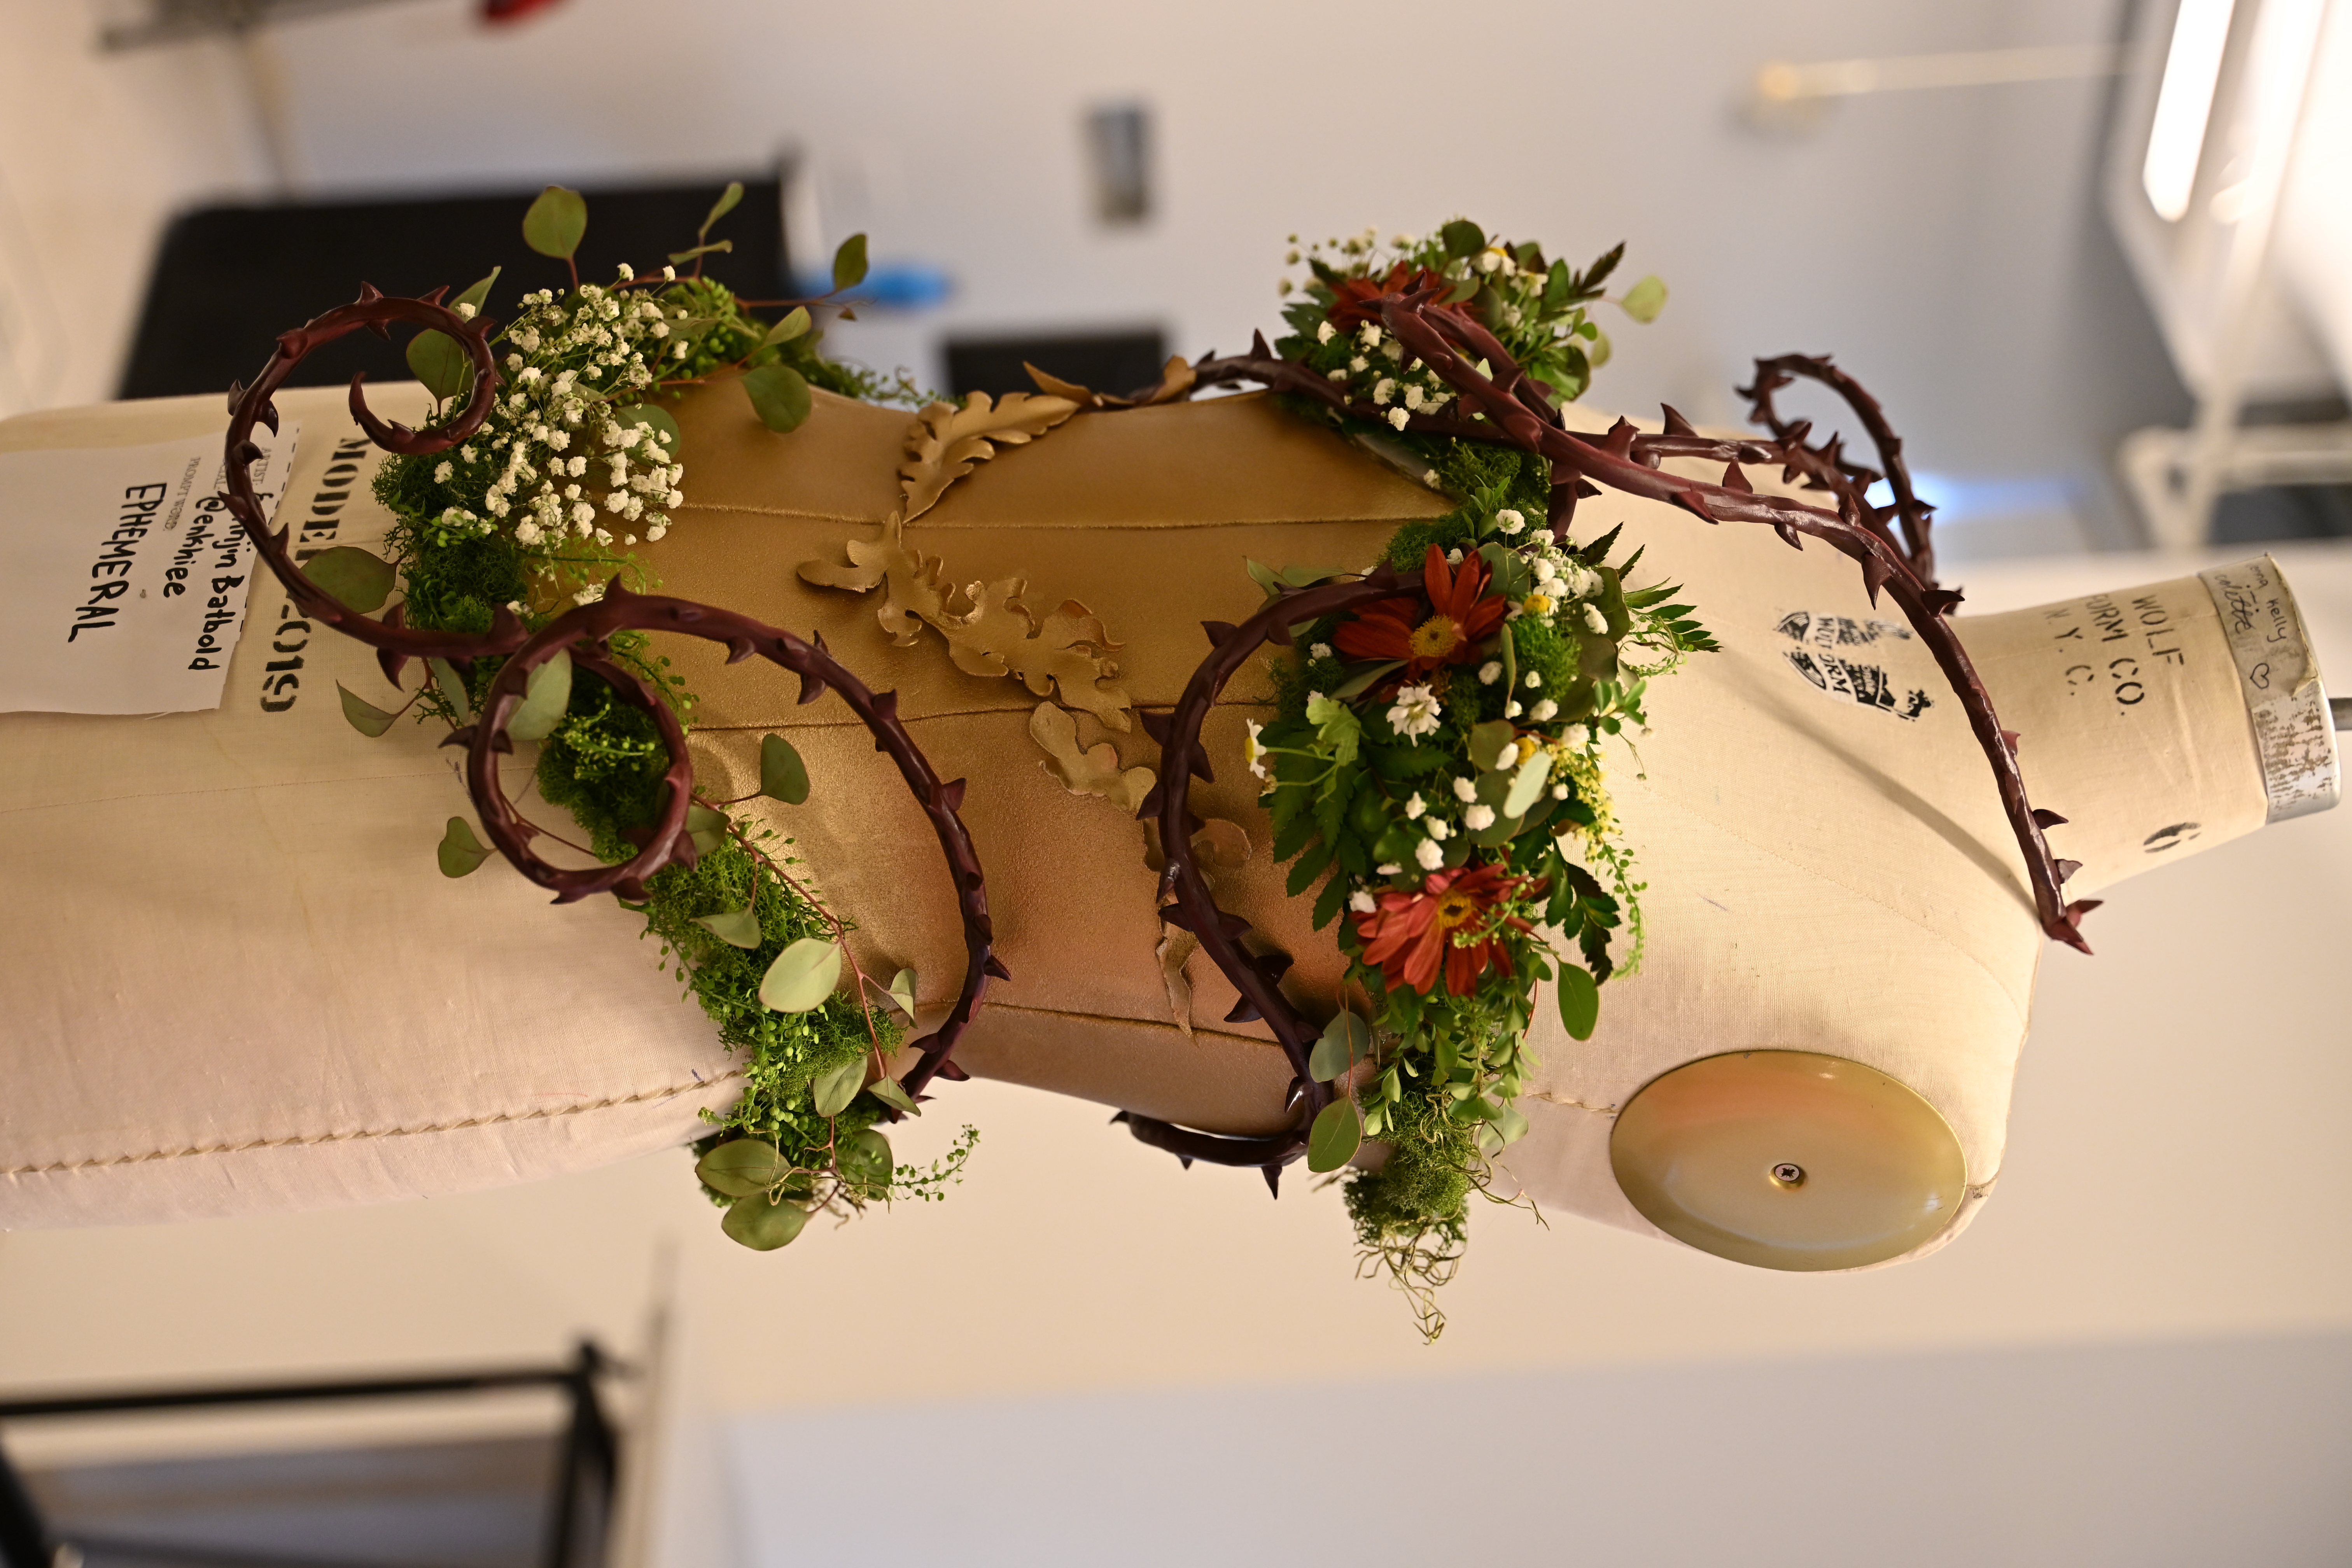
column 2293, row 731
column 128, row 575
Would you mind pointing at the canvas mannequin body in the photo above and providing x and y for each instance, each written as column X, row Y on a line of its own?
column 1824, row 874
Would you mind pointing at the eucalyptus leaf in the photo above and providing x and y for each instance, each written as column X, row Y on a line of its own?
column 359, row 579
column 779, row 397
column 460, row 853
column 1364, row 679
column 1512, row 1124
column 544, row 700
column 1579, row 1001
column 832, row 1093
column 440, row 364
column 892, row 1093
column 706, row 827
column 763, row 1223
column 1346, row 1041
column 1527, row 785
column 742, row 1167
column 849, row 262
column 902, row 993
column 794, row 324
column 650, row 413
column 865, row 1161
column 1645, row 299
column 802, row 975
column 726, row 203
column 555, row 222
column 1487, row 741
column 782, row 775
column 736, row 928
column 1336, row 1136
column 479, row 293
column 365, row 716
column 452, row 688
column 1462, row 237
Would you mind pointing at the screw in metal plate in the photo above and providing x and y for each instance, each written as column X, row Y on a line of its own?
column 1788, row 1174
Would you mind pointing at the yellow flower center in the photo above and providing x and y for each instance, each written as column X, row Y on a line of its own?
column 1435, row 637
column 1455, row 910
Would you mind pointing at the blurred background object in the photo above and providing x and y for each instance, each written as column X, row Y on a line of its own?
column 2139, row 1356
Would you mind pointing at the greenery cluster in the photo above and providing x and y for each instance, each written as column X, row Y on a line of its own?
column 1435, row 762
column 572, row 466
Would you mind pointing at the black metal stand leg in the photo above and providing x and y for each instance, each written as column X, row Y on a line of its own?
column 586, row 1469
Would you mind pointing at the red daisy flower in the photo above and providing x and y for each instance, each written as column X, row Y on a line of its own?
column 1409, row 935
column 1356, row 298
column 1456, row 616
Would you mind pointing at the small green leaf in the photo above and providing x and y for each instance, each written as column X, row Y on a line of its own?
column 460, row 853
column 782, row 775
column 832, row 1093
column 1462, row 237
column 792, row 326
column 1364, row 679
column 357, row 579
column 902, row 993
column 1645, row 299
column 722, row 206
column 706, row 827
column 779, row 397
column 1487, row 743
column 864, row 1161
column 1527, row 785
column 1336, row 1136
column 736, row 928
column 742, row 1167
column 802, row 976
column 892, row 1093
column 1579, row 1001
column 763, row 1225
column 365, row 716
column 1346, row 1041
column 478, row 295
column 438, row 362
column 849, row 262
column 652, row 414
column 544, row 701
column 1512, row 1124
column 452, row 688
column 677, row 255
column 1598, row 355
column 555, row 222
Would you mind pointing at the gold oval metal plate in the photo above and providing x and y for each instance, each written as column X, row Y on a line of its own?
column 1789, row 1160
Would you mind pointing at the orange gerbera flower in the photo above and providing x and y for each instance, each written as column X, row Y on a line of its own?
column 1445, row 627
column 1410, row 935
column 1355, row 298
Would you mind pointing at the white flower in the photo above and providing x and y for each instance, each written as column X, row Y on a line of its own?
column 653, row 534
column 1359, row 363
column 1320, row 650
column 465, row 308
column 1429, row 478
column 441, row 472
column 1400, row 418
column 1370, row 334
column 1383, row 390
column 1508, row 756
column 1533, row 681
column 1594, row 620
column 1438, row 828
column 1560, row 792
column 1428, row 855
column 1543, row 710
column 1453, row 556
column 1510, row 519
column 1391, row 870
column 1466, row 789
column 526, row 533
column 1415, row 807
column 627, row 272
column 1490, row 259
column 1512, row 710
column 467, row 452
column 1339, row 376
column 1412, row 397
column 1363, row 902
column 1324, row 333
column 589, row 594
column 1575, row 735
column 1490, row 672
column 670, row 274
column 615, row 501
column 1478, row 818
column 1252, row 753
column 1415, row 712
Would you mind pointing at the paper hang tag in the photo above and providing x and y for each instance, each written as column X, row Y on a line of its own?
column 128, row 575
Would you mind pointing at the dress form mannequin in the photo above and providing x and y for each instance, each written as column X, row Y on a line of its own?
column 1826, row 875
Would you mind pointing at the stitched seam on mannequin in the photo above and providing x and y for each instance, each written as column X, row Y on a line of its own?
column 1159, row 1023
column 1577, row 1104
column 1807, row 871
column 317, row 1138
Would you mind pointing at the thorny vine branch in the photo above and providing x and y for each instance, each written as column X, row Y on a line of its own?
column 585, row 633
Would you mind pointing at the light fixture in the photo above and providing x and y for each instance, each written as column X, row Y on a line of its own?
column 2184, row 104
